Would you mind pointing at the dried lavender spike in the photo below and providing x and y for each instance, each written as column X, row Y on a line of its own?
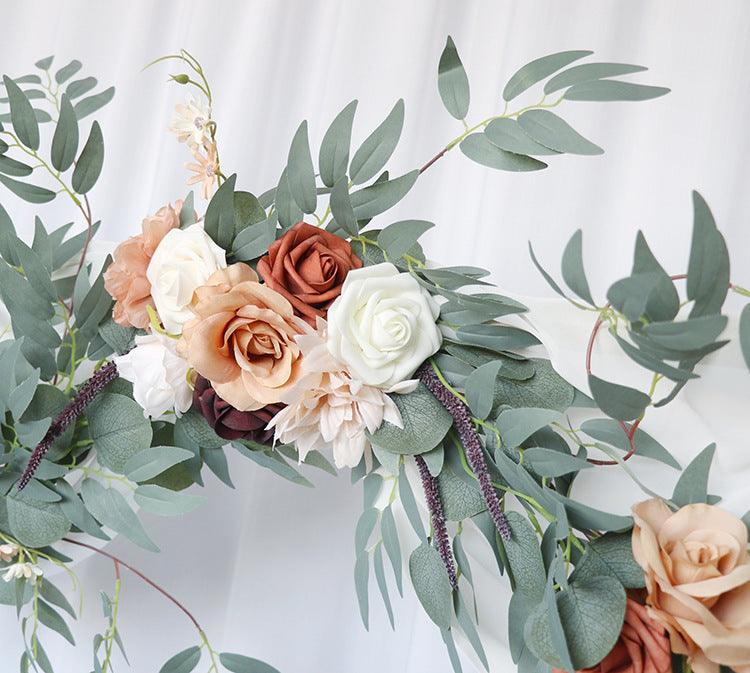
column 85, row 395
column 471, row 443
column 435, row 505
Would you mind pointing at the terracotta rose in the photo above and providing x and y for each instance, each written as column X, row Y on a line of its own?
column 643, row 646
column 125, row 279
column 308, row 265
column 242, row 339
column 698, row 581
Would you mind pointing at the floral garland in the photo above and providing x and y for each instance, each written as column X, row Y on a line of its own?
column 254, row 328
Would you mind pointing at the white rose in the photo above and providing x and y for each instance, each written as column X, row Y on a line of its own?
column 383, row 326
column 182, row 262
column 158, row 375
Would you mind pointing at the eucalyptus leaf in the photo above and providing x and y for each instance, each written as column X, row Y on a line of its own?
column 398, row 238
column 90, row 162
column 380, row 196
column 508, row 135
column 551, row 463
column 745, row 334
column 409, row 504
column 392, row 545
column 300, row 172
column 431, row 584
column 22, row 115
column 333, row 157
column 287, row 210
column 588, row 72
column 238, row 663
column 692, row 486
column 613, row 90
column 79, row 87
column 34, row 523
column 151, row 462
column 611, row 432
column 89, row 105
column 67, row 71
column 52, row 620
column 525, row 558
column 164, row 501
column 617, row 401
column 378, row 147
column 30, row 193
column 377, row 562
column 612, row 555
column 12, row 167
column 479, row 148
column 517, row 425
column 253, row 241
column 219, row 221
column 341, row 207
column 65, row 140
column 537, row 70
column 361, row 585
column 496, row 337
column 453, row 83
column 182, row 662
column 546, row 128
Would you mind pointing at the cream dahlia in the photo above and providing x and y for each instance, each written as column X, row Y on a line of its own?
column 327, row 407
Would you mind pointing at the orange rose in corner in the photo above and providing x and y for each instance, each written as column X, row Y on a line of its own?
column 643, row 646
column 308, row 265
column 242, row 339
column 698, row 581
column 125, row 279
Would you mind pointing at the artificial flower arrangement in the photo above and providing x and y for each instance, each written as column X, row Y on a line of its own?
column 262, row 327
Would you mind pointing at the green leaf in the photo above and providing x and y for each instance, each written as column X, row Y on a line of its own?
column 692, row 486
column 409, row 504
column 287, row 209
column 554, row 132
column 463, row 616
column 361, row 582
column 89, row 165
column 431, row 584
column 392, row 545
column 653, row 363
column 53, row 595
column 480, row 388
column 197, row 430
column 247, row 211
column 22, row 115
column 365, row 526
column 52, row 620
column 237, row 663
column 453, row 83
column 591, row 613
column 377, row 561
column 631, row 295
column 67, row 71
column 119, row 430
column 708, row 268
column 425, row 424
column 219, row 220
column 164, row 501
column 398, row 238
column 609, row 431
column 86, row 106
column 495, row 337
column 517, row 425
column 508, row 135
column 550, row 281
column 183, row 662
column 461, row 498
column 537, row 70
column 545, row 389
column 30, row 193
column 686, row 335
column 65, row 140
column 620, row 402
column 72, row 507
column 254, row 241
column 111, row 509
column 341, row 207
column 153, row 461
column 333, row 157
column 44, row 63
column 584, row 517
column 378, row 147
column 589, row 72
column 79, row 87
column 613, row 90
column 745, row 334
column 572, row 268
column 663, row 302
column 275, row 463
column 478, row 148
column 611, row 555
column 34, row 523
column 380, row 196
column 300, row 172
column 551, row 463
column 12, row 167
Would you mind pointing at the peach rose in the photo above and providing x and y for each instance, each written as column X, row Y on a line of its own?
column 308, row 266
column 643, row 646
column 125, row 279
column 242, row 339
column 698, row 581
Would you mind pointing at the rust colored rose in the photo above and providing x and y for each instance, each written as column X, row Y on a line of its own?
column 698, row 581
column 230, row 423
column 643, row 646
column 242, row 339
column 125, row 279
column 308, row 265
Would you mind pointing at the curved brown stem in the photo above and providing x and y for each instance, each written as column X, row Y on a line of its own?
column 119, row 562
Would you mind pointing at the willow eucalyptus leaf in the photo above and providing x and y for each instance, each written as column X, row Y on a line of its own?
column 517, row 425
column 453, row 83
column 300, row 172
column 392, row 545
column 22, row 115
column 508, row 135
column 86, row 106
column 165, row 502
column 572, row 268
column 479, row 148
column 745, row 334
column 381, row 196
column 535, row 71
column 79, row 87
column 692, row 486
column 611, row 555
column 589, row 72
column 361, row 585
column 219, row 222
column 398, row 238
column 238, row 663
column 663, row 302
column 611, row 432
column 554, row 132
column 378, row 147
column 613, row 90
column 333, row 157
column 30, row 193
column 617, row 401
column 182, row 662
column 431, row 584
column 341, row 207
column 67, row 71
column 89, row 165
column 551, row 463
column 13, row 167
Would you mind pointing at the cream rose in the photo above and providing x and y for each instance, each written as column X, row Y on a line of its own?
column 698, row 581
column 383, row 326
column 182, row 262
column 158, row 374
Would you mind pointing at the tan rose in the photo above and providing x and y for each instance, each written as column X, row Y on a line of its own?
column 125, row 279
column 242, row 339
column 698, row 581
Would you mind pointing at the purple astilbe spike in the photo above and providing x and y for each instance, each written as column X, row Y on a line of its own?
column 471, row 443
column 85, row 395
column 435, row 505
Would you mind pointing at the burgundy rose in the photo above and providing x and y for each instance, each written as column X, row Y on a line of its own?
column 228, row 422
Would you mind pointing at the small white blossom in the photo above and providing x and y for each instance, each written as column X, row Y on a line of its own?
column 8, row 551
column 191, row 122
column 19, row 571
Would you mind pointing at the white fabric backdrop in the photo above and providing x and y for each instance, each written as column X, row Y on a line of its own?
column 267, row 567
